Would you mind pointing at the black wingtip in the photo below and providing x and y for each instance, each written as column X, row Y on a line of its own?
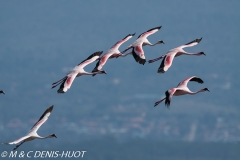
column 60, row 90
column 50, row 108
column 159, row 27
column 198, row 40
column 142, row 61
column 197, row 79
column 160, row 70
column 167, row 104
column 98, row 53
column 129, row 35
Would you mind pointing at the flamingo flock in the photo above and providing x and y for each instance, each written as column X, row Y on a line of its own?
column 139, row 56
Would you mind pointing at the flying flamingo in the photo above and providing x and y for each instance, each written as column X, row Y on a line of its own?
column 32, row 134
column 168, row 57
column 113, row 52
column 66, row 81
column 136, row 46
column 181, row 89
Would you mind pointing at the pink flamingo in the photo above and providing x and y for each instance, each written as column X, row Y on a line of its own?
column 168, row 57
column 142, row 40
column 181, row 89
column 113, row 52
column 67, row 81
column 32, row 134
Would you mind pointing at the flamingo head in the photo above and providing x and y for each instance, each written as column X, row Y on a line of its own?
column 205, row 89
column 103, row 72
column 161, row 42
column 53, row 135
column 202, row 53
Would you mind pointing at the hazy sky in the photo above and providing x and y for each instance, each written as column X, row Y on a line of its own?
column 42, row 40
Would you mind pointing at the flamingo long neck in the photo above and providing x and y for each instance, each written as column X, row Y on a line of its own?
column 192, row 93
column 92, row 73
column 88, row 73
column 49, row 136
column 97, row 72
column 192, row 54
column 150, row 44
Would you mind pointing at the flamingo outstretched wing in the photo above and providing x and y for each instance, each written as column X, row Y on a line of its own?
column 138, row 54
column 41, row 120
column 192, row 43
column 166, row 63
column 18, row 140
column 169, row 93
column 119, row 43
column 185, row 82
column 93, row 57
column 149, row 32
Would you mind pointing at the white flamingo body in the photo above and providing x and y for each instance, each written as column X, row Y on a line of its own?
column 113, row 52
column 32, row 134
column 169, row 56
column 77, row 71
column 180, row 90
column 136, row 46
